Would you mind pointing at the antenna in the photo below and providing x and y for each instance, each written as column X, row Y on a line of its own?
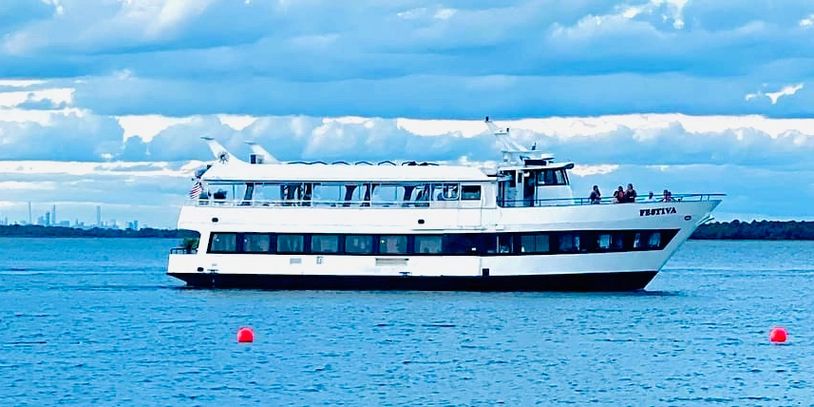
column 220, row 152
column 510, row 147
column 260, row 155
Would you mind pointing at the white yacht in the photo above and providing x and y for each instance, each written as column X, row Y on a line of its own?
column 422, row 226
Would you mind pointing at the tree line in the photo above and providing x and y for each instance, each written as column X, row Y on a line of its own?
column 735, row 230
column 756, row 230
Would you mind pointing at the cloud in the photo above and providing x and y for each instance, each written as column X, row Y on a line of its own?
column 418, row 59
column 787, row 90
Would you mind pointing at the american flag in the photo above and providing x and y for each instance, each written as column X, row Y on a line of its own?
column 195, row 192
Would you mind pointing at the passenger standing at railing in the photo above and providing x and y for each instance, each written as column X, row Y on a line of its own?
column 619, row 195
column 650, row 197
column 630, row 194
column 596, row 196
column 668, row 196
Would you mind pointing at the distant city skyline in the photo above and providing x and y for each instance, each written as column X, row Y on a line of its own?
column 49, row 218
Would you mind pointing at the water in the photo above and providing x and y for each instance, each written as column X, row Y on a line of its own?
column 96, row 322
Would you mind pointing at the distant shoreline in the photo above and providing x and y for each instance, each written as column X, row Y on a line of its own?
column 735, row 230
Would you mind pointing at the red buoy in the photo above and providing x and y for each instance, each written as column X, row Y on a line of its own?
column 778, row 335
column 245, row 335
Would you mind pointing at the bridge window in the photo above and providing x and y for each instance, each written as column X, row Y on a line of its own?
column 552, row 177
column 290, row 243
column 470, row 192
column 358, row 244
column 325, row 244
column 393, row 244
column 256, row 243
column 223, row 243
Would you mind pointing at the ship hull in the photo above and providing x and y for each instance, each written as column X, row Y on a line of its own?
column 610, row 281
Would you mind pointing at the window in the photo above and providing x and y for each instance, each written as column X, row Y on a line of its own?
column 290, row 243
column 326, row 194
column 603, row 241
column 637, row 241
column 461, row 244
column 256, row 243
column 325, row 244
column 384, row 194
column 223, row 243
column 552, row 177
column 655, row 240
column 470, row 192
column 393, row 244
column 537, row 243
column 504, row 244
column 445, row 192
column 569, row 243
column 358, row 244
column 428, row 244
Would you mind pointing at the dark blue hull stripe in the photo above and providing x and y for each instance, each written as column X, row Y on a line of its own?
column 624, row 281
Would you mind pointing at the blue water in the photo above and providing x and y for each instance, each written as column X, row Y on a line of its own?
column 96, row 322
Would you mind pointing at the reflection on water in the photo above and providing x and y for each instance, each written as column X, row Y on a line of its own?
column 95, row 321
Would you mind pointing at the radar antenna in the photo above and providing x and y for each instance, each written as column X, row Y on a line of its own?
column 220, row 152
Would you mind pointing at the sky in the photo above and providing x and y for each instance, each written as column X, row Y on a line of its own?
column 103, row 102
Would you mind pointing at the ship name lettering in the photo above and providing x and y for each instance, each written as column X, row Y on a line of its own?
column 657, row 211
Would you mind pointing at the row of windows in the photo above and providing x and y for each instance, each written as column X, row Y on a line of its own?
column 483, row 244
column 350, row 192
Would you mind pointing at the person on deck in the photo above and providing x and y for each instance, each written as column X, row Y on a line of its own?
column 596, row 196
column 630, row 194
column 650, row 197
column 619, row 195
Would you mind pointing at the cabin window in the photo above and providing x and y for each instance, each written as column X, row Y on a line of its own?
column 504, row 244
column 324, row 194
column 223, row 243
column 393, row 244
column 325, row 244
column 538, row 243
column 461, row 244
column 445, row 192
column 385, row 195
column 290, row 243
column 654, row 242
column 256, row 243
column 428, row 244
column 266, row 193
column 470, row 192
column 569, row 243
column 603, row 241
column 637, row 241
column 359, row 244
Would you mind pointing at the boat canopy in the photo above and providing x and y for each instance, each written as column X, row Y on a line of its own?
column 271, row 173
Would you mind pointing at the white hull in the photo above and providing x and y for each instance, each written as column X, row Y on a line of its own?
column 194, row 267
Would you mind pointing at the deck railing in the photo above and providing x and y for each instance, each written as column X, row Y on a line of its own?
column 441, row 204
column 606, row 201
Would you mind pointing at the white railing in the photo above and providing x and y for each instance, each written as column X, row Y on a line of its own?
column 607, row 201
column 442, row 204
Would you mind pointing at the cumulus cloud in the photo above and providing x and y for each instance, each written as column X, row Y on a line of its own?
column 417, row 59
